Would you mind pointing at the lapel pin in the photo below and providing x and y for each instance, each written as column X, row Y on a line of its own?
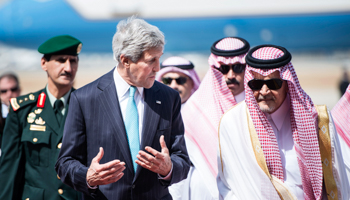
column 158, row 102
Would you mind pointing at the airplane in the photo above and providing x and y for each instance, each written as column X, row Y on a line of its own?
column 188, row 25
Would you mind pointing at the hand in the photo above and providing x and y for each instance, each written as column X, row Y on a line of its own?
column 159, row 163
column 105, row 173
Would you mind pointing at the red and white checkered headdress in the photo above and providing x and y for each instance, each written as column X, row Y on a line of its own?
column 212, row 99
column 341, row 116
column 228, row 51
column 266, row 59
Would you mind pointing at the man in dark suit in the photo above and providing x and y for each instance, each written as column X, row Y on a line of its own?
column 123, row 136
column 9, row 88
column 34, row 128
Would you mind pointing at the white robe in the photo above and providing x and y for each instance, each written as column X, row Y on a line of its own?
column 239, row 175
column 345, row 149
column 196, row 185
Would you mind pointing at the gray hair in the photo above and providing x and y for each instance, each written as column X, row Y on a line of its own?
column 133, row 37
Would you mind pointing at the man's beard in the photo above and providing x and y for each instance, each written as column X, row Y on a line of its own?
column 268, row 108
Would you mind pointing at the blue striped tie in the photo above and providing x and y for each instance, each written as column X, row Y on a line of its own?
column 132, row 126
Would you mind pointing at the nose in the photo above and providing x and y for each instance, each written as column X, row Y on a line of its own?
column 173, row 84
column 264, row 90
column 67, row 66
column 156, row 68
column 231, row 74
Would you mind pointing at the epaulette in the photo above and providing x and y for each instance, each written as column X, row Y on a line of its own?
column 22, row 101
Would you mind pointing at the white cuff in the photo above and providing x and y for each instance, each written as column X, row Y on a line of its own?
column 167, row 177
column 93, row 188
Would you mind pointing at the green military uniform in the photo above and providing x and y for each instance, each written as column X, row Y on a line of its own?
column 33, row 140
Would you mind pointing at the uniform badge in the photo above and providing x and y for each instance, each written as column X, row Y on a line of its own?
column 26, row 99
column 38, row 111
column 20, row 101
column 41, row 100
column 14, row 104
column 31, row 117
column 40, row 121
column 37, row 128
column 31, row 97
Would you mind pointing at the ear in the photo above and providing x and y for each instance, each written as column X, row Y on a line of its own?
column 43, row 64
column 125, row 61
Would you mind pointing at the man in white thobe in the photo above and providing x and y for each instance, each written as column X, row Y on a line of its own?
column 269, row 145
column 221, row 88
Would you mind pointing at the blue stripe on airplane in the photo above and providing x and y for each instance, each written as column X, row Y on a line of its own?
column 27, row 23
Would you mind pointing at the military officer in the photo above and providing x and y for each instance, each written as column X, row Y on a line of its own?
column 33, row 131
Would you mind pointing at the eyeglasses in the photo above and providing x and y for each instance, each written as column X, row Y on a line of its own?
column 180, row 81
column 14, row 89
column 237, row 68
column 272, row 84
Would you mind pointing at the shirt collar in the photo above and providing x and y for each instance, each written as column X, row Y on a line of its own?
column 52, row 98
column 123, row 86
column 280, row 114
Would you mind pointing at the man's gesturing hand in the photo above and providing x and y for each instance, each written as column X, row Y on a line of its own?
column 159, row 163
column 103, row 174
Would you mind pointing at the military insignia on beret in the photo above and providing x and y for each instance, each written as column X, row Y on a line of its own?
column 31, row 97
column 40, row 121
column 14, row 104
column 79, row 48
column 31, row 117
column 38, row 111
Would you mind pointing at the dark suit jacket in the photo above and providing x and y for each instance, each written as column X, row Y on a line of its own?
column 31, row 144
column 2, row 123
column 95, row 120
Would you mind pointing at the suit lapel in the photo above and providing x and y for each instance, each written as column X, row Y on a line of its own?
column 108, row 99
column 150, row 119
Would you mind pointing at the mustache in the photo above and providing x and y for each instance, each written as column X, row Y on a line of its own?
column 180, row 92
column 66, row 74
column 267, row 97
column 232, row 81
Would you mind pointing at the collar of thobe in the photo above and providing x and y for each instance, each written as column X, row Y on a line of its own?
column 123, row 86
column 240, row 97
column 280, row 114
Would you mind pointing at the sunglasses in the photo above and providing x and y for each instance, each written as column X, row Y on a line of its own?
column 272, row 84
column 179, row 81
column 12, row 90
column 237, row 68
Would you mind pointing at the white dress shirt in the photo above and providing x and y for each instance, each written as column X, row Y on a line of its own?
column 5, row 110
column 122, row 88
column 281, row 125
